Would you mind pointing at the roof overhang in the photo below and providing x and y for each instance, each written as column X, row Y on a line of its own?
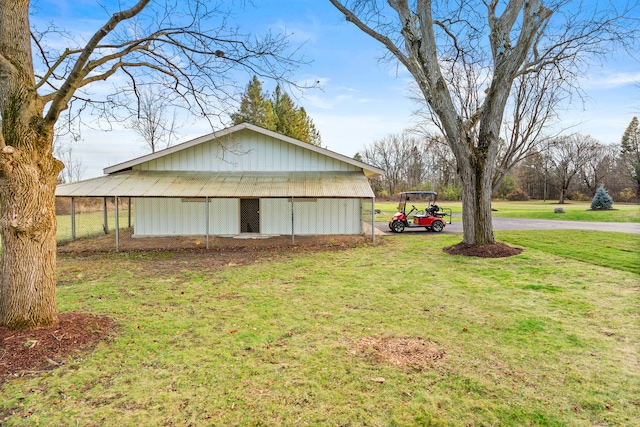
column 222, row 185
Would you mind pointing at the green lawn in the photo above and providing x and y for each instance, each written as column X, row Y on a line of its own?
column 89, row 224
column 574, row 211
column 547, row 338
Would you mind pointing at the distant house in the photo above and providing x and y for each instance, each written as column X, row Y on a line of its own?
column 243, row 179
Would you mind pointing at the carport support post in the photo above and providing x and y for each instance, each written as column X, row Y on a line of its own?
column 293, row 239
column 129, row 212
column 105, row 226
column 206, row 210
column 115, row 199
column 73, row 219
column 373, row 220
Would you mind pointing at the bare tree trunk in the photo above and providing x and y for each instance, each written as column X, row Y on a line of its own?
column 28, row 231
column 28, row 175
column 477, row 224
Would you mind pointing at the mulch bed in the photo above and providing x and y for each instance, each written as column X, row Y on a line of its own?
column 494, row 250
column 24, row 352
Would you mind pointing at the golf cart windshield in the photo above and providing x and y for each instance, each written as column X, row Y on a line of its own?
column 420, row 199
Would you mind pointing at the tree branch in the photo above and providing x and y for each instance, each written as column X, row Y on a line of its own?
column 66, row 91
column 351, row 17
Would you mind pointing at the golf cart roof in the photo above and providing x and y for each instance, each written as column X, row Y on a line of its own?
column 420, row 192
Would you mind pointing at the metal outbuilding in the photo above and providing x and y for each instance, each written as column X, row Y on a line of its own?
column 243, row 179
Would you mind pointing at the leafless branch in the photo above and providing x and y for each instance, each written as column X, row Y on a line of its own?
column 66, row 91
column 174, row 48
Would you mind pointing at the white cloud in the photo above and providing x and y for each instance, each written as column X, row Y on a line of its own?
column 612, row 80
column 318, row 102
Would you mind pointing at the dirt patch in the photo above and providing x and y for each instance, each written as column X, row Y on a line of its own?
column 107, row 243
column 495, row 250
column 403, row 351
column 35, row 351
column 157, row 256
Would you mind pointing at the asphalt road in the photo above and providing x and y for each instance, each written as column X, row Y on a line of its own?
column 532, row 224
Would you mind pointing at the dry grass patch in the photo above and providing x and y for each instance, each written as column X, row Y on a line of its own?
column 400, row 351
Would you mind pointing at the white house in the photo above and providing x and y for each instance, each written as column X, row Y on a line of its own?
column 243, row 179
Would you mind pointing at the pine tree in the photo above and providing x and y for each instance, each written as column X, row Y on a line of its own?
column 287, row 121
column 602, row 199
column 277, row 112
column 255, row 107
column 630, row 152
column 311, row 134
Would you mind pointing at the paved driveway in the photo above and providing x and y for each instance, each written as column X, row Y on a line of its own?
column 532, row 224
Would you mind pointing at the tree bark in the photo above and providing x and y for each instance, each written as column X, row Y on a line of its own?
column 28, row 175
column 477, row 225
column 28, row 231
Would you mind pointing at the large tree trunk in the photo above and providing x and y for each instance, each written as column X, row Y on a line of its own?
column 28, row 174
column 477, row 225
column 28, row 231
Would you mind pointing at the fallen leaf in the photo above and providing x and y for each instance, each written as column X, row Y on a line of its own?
column 233, row 331
column 378, row 380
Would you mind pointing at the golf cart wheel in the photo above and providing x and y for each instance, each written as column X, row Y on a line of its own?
column 437, row 226
column 397, row 226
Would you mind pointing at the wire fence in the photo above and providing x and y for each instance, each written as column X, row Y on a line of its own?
column 91, row 217
column 163, row 217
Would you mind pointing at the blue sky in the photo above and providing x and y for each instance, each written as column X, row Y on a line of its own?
column 360, row 99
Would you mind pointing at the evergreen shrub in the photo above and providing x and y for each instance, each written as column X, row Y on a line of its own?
column 602, row 200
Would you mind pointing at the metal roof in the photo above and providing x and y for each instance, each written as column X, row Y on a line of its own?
column 222, row 185
column 369, row 170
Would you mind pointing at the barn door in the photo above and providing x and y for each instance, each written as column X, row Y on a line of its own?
column 249, row 215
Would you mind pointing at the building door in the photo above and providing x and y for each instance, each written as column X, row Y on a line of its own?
column 249, row 215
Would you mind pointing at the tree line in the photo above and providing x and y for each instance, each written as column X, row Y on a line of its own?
column 566, row 167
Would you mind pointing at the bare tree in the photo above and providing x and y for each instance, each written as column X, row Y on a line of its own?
column 155, row 121
column 74, row 168
column 483, row 47
column 391, row 154
column 569, row 155
column 534, row 99
column 186, row 47
column 598, row 166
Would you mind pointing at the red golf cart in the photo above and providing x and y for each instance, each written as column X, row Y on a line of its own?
column 432, row 218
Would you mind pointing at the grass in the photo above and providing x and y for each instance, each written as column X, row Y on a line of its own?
column 574, row 211
column 621, row 252
column 89, row 224
column 549, row 337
